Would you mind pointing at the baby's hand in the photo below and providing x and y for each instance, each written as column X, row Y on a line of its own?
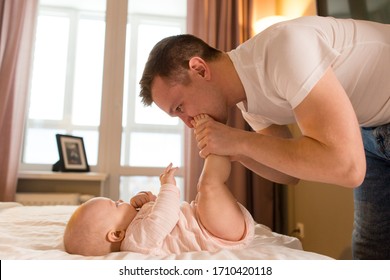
column 167, row 177
column 141, row 198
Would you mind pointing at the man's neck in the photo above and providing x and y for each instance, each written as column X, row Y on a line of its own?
column 233, row 85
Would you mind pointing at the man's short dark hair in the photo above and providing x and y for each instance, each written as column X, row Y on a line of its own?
column 169, row 59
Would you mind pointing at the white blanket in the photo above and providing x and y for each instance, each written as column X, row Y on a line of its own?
column 35, row 232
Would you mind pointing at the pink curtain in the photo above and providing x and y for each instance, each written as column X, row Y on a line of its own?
column 17, row 22
column 224, row 24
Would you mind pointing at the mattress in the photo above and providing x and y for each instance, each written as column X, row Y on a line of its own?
column 35, row 232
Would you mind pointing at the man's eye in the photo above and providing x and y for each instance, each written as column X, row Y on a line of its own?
column 179, row 109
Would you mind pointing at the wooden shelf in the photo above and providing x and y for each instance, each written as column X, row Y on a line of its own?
column 92, row 183
column 64, row 176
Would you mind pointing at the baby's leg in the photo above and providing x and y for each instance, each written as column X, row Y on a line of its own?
column 217, row 208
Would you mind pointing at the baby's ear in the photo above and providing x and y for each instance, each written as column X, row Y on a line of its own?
column 116, row 235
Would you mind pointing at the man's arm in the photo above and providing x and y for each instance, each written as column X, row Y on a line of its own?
column 330, row 149
column 265, row 171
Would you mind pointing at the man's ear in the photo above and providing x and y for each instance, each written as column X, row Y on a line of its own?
column 116, row 235
column 200, row 66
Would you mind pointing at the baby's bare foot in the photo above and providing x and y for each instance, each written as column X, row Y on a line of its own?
column 199, row 119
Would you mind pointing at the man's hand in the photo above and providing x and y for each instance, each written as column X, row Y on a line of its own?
column 216, row 138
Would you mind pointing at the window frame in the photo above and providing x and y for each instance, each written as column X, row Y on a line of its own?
column 134, row 21
column 110, row 129
column 65, row 123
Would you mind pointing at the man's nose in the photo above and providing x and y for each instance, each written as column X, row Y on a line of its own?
column 187, row 120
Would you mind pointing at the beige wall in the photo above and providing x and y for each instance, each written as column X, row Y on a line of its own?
column 326, row 211
column 292, row 8
column 296, row 8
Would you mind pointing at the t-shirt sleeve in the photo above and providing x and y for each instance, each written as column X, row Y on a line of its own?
column 297, row 59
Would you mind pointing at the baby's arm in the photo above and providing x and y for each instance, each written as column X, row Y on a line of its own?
column 164, row 215
column 168, row 176
column 141, row 198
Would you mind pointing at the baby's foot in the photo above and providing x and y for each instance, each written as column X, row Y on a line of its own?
column 199, row 119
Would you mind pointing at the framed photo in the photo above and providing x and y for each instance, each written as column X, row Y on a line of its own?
column 72, row 154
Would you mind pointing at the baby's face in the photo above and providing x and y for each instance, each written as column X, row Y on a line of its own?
column 118, row 212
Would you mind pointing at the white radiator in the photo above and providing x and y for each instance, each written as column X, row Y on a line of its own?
column 51, row 198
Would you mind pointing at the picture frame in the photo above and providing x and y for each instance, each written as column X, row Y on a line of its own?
column 72, row 154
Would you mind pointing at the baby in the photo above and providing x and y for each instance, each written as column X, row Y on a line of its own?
column 162, row 225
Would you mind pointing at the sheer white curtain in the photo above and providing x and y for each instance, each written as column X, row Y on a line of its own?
column 17, row 24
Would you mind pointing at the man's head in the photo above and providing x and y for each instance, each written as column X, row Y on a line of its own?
column 177, row 78
column 169, row 59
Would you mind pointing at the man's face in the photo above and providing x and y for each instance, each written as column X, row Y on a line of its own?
column 188, row 101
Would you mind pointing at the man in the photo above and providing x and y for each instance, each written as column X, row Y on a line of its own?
column 329, row 76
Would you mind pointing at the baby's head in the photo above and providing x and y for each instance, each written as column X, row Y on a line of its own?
column 98, row 227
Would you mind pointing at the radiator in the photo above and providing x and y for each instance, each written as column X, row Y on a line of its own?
column 52, row 198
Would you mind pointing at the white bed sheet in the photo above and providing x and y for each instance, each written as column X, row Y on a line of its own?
column 35, row 232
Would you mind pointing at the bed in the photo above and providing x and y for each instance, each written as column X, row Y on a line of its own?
column 35, row 232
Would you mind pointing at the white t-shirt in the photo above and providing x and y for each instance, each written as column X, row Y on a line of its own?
column 279, row 67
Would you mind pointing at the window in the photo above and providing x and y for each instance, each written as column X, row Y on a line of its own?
column 74, row 90
column 66, row 82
